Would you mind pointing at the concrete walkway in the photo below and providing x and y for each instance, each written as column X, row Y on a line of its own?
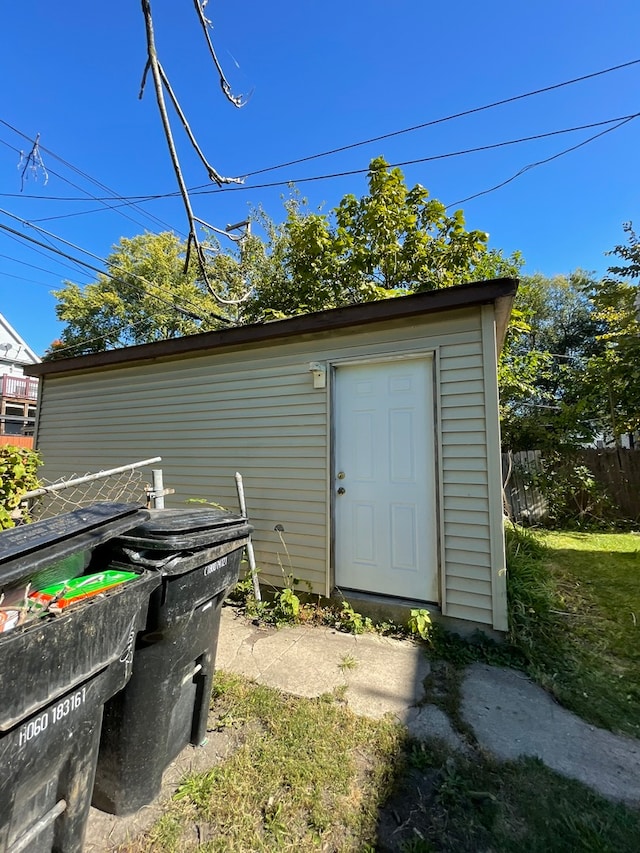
column 509, row 715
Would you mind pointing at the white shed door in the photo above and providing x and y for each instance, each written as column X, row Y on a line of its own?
column 385, row 522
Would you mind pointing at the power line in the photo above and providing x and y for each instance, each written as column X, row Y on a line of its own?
column 140, row 278
column 26, row 264
column 47, row 254
column 86, row 176
column 104, row 202
column 530, row 166
column 432, row 158
column 98, row 337
column 22, row 278
column 444, row 119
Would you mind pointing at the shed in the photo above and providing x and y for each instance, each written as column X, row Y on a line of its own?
column 369, row 433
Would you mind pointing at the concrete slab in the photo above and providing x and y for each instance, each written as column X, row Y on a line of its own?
column 512, row 716
column 379, row 675
column 429, row 721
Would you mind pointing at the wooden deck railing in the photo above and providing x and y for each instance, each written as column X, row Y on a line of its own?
column 19, row 387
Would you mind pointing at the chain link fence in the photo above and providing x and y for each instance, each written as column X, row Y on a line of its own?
column 126, row 484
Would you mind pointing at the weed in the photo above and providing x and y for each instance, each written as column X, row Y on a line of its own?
column 347, row 662
column 417, row 845
column 419, row 755
column 308, row 774
column 420, row 624
column 287, row 605
column 352, row 622
column 339, row 692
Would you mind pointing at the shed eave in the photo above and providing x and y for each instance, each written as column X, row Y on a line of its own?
column 499, row 292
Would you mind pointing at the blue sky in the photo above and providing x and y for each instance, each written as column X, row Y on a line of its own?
column 323, row 76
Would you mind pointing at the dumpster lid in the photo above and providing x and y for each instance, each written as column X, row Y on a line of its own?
column 30, row 547
column 169, row 529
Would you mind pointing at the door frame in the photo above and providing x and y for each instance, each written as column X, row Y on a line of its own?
column 381, row 358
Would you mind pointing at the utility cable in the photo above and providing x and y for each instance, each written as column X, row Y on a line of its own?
column 98, row 338
column 140, row 278
column 104, row 201
column 31, row 266
column 435, row 157
column 47, row 254
column 530, row 166
column 444, row 119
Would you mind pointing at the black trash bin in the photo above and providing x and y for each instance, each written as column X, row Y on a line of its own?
column 57, row 671
column 165, row 705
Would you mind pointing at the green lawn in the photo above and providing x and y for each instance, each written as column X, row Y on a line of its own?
column 309, row 775
column 588, row 652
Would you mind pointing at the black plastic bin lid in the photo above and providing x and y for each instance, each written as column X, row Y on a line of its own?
column 26, row 549
column 186, row 529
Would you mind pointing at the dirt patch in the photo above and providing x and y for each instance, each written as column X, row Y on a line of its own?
column 106, row 833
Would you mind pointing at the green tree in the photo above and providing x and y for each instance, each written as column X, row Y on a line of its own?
column 615, row 368
column 394, row 240
column 546, row 398
column 18, row 475
column 146, row 296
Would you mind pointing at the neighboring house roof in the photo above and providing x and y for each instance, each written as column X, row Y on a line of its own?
column 500, row 292
column 13, row 349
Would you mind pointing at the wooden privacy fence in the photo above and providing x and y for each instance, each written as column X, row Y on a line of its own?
column 617, row 470
column 523, row 502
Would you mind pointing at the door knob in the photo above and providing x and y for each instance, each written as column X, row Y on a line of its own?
column 341, row 490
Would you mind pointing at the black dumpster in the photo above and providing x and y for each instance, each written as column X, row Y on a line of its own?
column 57, row 671
column 165, row 705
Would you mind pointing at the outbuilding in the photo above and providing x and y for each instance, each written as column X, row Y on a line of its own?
column 368, row 434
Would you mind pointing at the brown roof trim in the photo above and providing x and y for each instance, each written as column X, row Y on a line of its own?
column 460, row 296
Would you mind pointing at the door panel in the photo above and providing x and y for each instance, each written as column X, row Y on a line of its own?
column 384, row 479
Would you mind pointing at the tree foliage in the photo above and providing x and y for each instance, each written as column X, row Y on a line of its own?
column 146, row 296
column 570, row 371
column 18, row 475
column 394, row 240
column 550, row 340
column 615, row 369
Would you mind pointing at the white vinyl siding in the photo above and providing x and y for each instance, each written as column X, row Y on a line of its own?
column 253, row 409
column 467, row 544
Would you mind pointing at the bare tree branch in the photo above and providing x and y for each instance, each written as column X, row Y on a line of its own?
column 237, row 100
column 143, row 82
column 214, row 175
column 160, row 80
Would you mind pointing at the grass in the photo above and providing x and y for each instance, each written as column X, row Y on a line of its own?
column 308, row 774
column 575, row 601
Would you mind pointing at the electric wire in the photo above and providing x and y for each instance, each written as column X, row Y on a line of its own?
column 91, row 197
column 543, row 162
column 22, row 278
column 32, row 266
column 78, row 270
column 83, row 343
column 444, row 119
column 87, row 177
column 92, row 267
column 432, row 158
column 620, row 120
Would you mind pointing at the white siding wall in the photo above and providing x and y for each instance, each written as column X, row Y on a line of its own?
column 254, row 410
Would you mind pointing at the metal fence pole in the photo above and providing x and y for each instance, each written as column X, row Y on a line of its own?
column 158, row 489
